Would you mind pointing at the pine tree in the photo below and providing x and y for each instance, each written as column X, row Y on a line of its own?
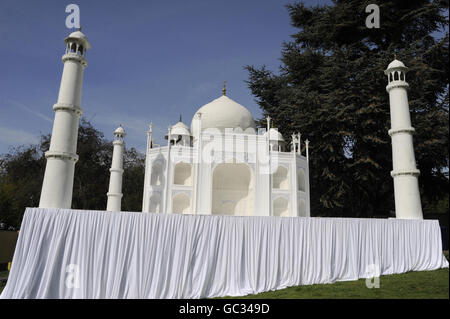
column 331, row 88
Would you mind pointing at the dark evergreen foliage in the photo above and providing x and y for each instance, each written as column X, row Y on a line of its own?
column 331, row 88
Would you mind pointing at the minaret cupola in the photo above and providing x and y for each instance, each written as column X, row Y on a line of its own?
column 77, row 44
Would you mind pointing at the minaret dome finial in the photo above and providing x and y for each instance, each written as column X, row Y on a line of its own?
column 224, row 90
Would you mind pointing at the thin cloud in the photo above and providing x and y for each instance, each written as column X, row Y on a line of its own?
column 30, row 110
column 13, row 137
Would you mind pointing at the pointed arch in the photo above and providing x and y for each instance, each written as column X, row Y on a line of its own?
column 280, row 207
column 232, row 189
column 157, row 175
column 396, row 76
column 301, row 180
column 301, row 208
column 280, row 178
column 182, row 174
column 181, row 204
column 155, row 203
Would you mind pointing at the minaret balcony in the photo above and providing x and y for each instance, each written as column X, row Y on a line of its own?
column 412, row 172
column 397, row 84
column 71, row 56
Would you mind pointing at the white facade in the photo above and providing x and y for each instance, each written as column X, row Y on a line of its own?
column 61, row 158
column 405, row 172
column 115, row 181
column 223, row 166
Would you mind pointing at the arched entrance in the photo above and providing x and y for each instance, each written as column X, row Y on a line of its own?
column 301, row 183
column 232, row 190
column 157, row 175
column 280, row 178
column 155, row 202
column 302, row 208
column 280, row 207
column 181, row 204
column 182, row 174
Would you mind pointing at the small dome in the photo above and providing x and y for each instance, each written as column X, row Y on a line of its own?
column 180, row 129
column 120, row 131
column 224, row 113
column 274, row 135
column 79, row 36
column 396, row 64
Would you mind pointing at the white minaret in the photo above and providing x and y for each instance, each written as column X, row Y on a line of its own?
column 115, row 181
column 61, row 157
column 404, row 173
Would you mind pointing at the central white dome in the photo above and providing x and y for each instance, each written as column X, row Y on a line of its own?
column 224, row 113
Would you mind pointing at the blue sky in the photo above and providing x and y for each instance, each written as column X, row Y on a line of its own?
column 150, row 61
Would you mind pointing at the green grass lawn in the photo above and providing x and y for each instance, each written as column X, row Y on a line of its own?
column 419, row 285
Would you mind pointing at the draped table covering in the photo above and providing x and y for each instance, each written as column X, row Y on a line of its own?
column 64, row 253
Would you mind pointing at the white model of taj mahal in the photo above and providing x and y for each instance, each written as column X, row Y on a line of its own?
column 221, row 165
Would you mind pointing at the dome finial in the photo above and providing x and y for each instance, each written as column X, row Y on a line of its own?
column 224, row 90
column 181, row 118
column 395, row 56
column 79, row 29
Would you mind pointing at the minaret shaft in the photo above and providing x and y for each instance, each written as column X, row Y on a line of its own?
column 405, row 172
column 115, row 182
column 57, row 186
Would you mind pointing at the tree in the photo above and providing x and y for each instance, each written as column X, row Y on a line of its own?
column 331, row 88
column 133, row 180
column 22, row 172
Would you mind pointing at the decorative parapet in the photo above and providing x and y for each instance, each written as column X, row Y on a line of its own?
column 395, row 84
column 75, row 57
column 118, row 142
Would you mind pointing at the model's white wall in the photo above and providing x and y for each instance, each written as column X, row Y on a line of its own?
column 220, row 188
